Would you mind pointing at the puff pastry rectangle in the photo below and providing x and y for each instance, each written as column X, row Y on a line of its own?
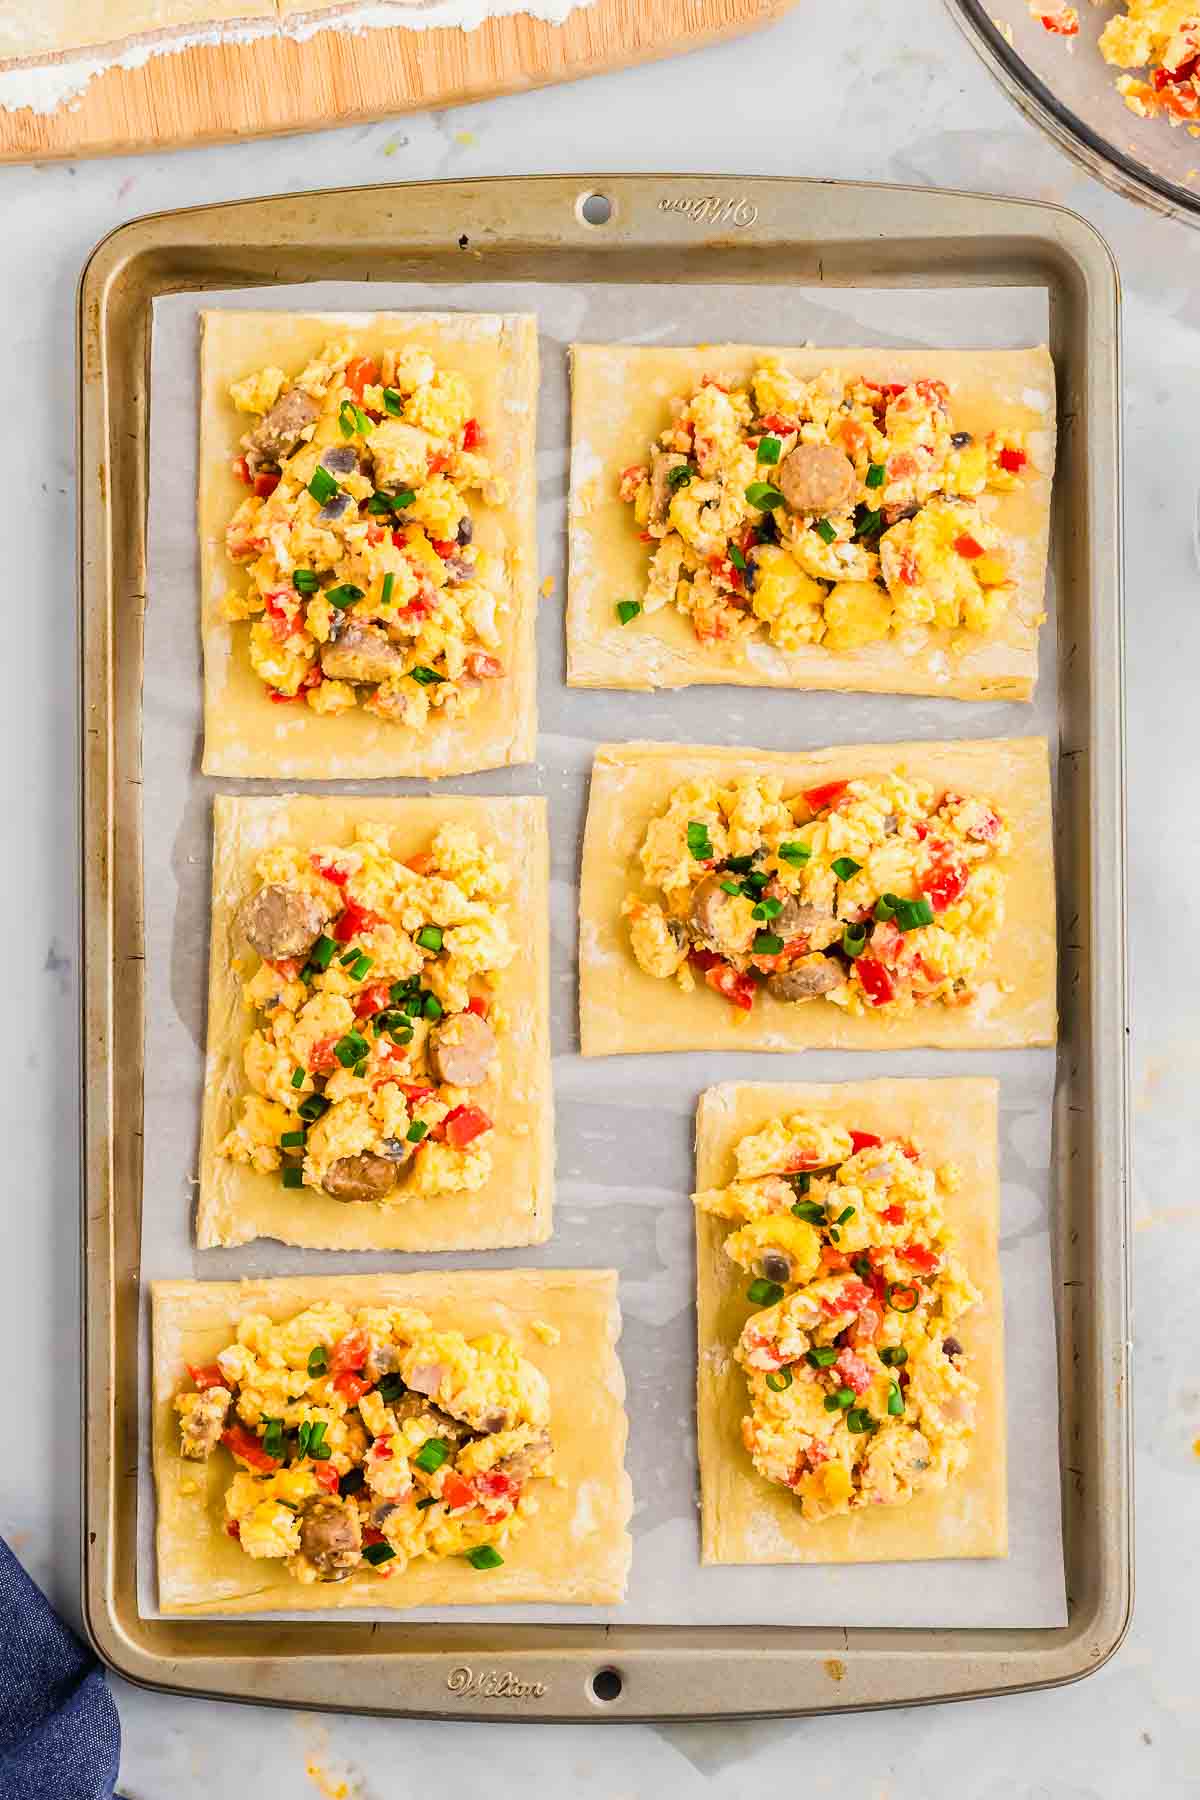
column 244, row 732
column 745, row 1519
column 238, row 1203
column 623, row 1010
column 576, row 1550
column 621, row 400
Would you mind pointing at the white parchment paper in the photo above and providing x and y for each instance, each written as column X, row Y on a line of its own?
column 624, row 1124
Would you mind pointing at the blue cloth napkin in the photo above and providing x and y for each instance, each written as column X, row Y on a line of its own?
column 59, row 1735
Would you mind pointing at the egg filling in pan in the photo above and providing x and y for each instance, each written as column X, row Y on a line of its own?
column 860, row 519
column 851, row 1386
column 873, row 896
column 397, row 1441
column 368, row 557
column 378, row 1054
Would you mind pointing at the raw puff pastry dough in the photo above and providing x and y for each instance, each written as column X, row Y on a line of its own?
column 238, row 1203
column 623, row 1010
column 244, row 732
column 621, row 399
column 576, row 1550
column 745, row 1519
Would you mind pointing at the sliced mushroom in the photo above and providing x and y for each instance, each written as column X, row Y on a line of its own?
column 806, row 980
column 519, row 1465
column 382, row 1359
column 202, row 1419
column 280, row 431
column 330, row 1537
column 799, row 918
column 951, row 1347
column 461, row 1050
column 281, row 922
column 335, row 508
column 717, row 918
column 361, row 1177
column 661, row 464
column 362, row 653
column 340, row 459
column 416, row 1406
column 466, row 529
column 817, row 478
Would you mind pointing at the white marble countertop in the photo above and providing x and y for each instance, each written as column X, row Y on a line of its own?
column 867, row 89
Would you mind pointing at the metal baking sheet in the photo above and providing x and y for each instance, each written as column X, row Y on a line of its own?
column 534, row 230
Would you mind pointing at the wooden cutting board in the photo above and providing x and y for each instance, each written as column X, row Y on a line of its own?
column 276, row 84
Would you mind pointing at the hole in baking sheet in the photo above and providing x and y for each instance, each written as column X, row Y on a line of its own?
column 595, row 209
column 606, row 1685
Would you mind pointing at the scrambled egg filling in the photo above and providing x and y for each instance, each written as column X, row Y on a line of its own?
column 363, row 585
column 873, row 894
column 370, row 1439
column 859, row 1391
column 1162, row 37
column 375, row 1016
column 827, row 511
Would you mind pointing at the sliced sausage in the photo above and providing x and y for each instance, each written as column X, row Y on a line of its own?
column 461, row 1050
column 799, row 918
column 361, row 653
column 817, row 478
column 466, row 529
column 203, row 1421
column 281, row 922
column 416, row 1406
column 713, row 919
column 279, row 433
column 330, row 1537
column 661, row 491
column 361, row 1177
column 805, row 981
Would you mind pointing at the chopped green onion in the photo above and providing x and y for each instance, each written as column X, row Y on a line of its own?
column 322, row 487
column 318, row 1449
column 321, row 954
column 844, row 1397
column 431, row 1455
column 343, row 596
column 903, row 1296
column 884, row 910
column 393, row 402
column 795, row 852
column 347, row 418
column 298, row 1077
column 810, row 1210
column 318, row 1362
column 416, row 1131
column 424, row 676
column 844, row 1216
column 893, row 1356
column 862, row 1268
column 875, row 475
column 378, row 1553
column 302, row 1437
column 844, row 867
column 763, row 496
column 431, row 937
column 768, row 449
column 730, row 887
column 305, row 581
column 431, row 1006
column 292, row 1177
column 800, row 1180
column 767, row 944
column 313, row 1108
column 484, row 1557
column 360, row 1068
column 628, row 609
column 391, row 1387
column 736, row 558
column 379, row 504
column 740, row 865
column 385, row 592
column 835, row 1234
column 822, row 1356
column 404, row 498
column 764, row 1293
column 404, row 990
column 768, row 909
column 272, row 1441
column 349, row 956
column 429, row 1500
column 858, row 1420
column 895, row 1400
column 824, row 530
column 779, row 1380
column 698, row 841
column 831, row 1403
column 351, row 1049
column 292, row 1140
column 867, row 524
column 854, row 940
column 678, row 477
column 360, row 965
column 909, row 914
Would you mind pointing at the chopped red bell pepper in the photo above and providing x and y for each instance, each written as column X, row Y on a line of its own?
column 350, row 1386
column 1062, row 24
column 457, row 1492
column 855, row 1373
column 833, row 1261
column 350, row 1351
column 463, row 1125
column 852, row 1297
column 920, row 1256
column 1012, row 460
column 414, row 1093
column 373, row 999
column 371, row 1535
column 777, row 424
column 245, row 1444
column 439, row 463
column 321, row 1058
column 326, row 1476
column 863, row 1140
column 355, row 918
column 209, row 1376
column 361, row 372
column 893, row 1215
column 233, row 1529
column 876, row 980
column 493, row 1484
column 444, row 546
column 266, row 482
column 482, row 667
column 472, row 435
column 242, row 470
column 724, row 979
column 329, row 871
column 943, row 882
column 827, row 795
column 477, row 1005
column 968, row 546
column 382, row 1450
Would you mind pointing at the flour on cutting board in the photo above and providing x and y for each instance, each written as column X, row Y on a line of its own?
column 62, row 67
